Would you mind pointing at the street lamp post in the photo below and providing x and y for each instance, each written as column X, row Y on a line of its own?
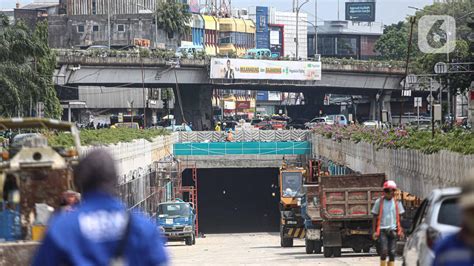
column 298, row 8
column 315, row 37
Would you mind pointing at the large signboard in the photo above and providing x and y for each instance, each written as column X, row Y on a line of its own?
column 276, row 39
column 229, row 68
column 360, row 11
column 261, row 24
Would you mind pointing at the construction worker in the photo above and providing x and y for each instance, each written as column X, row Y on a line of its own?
column 100, row 231
column 386, row 223
column 218, row 127
column 230, row 136
column 458, row 249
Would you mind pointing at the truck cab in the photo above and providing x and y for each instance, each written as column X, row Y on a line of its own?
column 177, row 221
column 291, row 191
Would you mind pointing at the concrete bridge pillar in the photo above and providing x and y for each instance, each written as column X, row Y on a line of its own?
column 313, row 103
column 386, row 100
column 197, row 106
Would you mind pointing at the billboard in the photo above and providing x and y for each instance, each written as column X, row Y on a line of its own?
column 276, row 39
column 242, row 105
column 360, row 11
column 261, row 24
column 229, row 68
column 262, row 95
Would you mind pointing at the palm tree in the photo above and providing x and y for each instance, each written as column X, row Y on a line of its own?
column 26, row 70
column 173, row 17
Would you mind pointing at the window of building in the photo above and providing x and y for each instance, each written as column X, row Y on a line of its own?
column 80, row 28
column 120, row 27
column 95, row 28
column 94, row 7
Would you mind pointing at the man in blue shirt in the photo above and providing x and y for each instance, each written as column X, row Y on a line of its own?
column 386, row 223
column 100, row 231
column 458, row 249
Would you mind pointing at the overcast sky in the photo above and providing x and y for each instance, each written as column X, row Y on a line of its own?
column 387, row 11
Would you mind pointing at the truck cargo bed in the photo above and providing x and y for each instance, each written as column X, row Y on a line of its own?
column 349, row 197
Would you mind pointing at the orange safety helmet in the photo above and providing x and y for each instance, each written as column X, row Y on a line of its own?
column 390, row 184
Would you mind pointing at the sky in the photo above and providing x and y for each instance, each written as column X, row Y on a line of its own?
column 387, row 11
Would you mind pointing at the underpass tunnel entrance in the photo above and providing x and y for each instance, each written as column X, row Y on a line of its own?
column 237, row 200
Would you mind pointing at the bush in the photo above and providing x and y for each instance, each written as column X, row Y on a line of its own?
column 105, row 136
column 457, row 140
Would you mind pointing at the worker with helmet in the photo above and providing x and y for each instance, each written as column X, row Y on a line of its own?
column 218, row 127
column 386, row 223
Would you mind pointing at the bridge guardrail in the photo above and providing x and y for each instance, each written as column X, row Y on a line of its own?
column 246, row 136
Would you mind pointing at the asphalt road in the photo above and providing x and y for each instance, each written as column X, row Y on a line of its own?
column 257, row 249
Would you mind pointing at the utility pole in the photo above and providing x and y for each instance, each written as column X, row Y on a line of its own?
column 315, row 28
column 108, row 21
column 298, row 8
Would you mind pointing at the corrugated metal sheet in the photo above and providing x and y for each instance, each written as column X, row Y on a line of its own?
column 106, row 97
column 101, row 7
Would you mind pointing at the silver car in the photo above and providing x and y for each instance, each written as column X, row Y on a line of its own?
column 437, row 217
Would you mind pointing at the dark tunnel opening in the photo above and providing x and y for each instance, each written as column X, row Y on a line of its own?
column 237, row 200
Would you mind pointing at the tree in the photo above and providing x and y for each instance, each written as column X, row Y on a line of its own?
column 26, row 70
column 173, row 17
column 393, row 44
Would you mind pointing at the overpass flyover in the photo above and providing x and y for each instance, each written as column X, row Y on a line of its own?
column 338, row 77
column 355, row 79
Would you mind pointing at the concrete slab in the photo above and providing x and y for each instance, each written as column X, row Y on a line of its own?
column 257, row 249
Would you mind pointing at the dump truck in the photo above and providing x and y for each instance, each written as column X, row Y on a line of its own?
column 33, row 174
column 291, row 191
column 310, row 204
column 345, row 209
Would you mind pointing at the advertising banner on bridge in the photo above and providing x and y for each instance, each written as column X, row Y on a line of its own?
column 229, row 68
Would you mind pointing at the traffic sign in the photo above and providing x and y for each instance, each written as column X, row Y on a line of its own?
column 406, row 93
column 441, row 68
column 411, row 79
column 430, row 98
column 418, row 102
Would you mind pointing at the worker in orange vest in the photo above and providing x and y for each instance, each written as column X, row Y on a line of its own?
column 386, row 223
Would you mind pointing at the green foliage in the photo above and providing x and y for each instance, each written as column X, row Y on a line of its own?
column 26, row 69
column 173, row 17
column 105, row 136
column 394, row 42
column 456, row 140
column 392, row 45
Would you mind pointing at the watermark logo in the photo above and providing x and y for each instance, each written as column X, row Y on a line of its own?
column 436, row 34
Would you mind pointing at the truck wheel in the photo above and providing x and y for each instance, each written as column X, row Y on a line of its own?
column 194, row 239
column 309, row 244
column 336, row 251
column 327, row 252
column 317, row 247
column 188, row 241
column 286, row 242
column 357, row 250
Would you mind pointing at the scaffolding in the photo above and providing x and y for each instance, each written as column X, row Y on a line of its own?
column 188, row 192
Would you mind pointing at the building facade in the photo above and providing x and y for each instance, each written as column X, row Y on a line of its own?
column 344, row 39
column 289, row 21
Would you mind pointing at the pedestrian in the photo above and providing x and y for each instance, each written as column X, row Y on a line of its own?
column 230, row 136
column 386, row 223
column 100, row 231
column 218, row 127
column 458, row 249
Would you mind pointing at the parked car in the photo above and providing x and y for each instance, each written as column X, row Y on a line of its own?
column 337, row 120
column 422, row 124
column 298, row 123
column 317, row 121
column 375, row 124
column 176, row 128
column 438, row 216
